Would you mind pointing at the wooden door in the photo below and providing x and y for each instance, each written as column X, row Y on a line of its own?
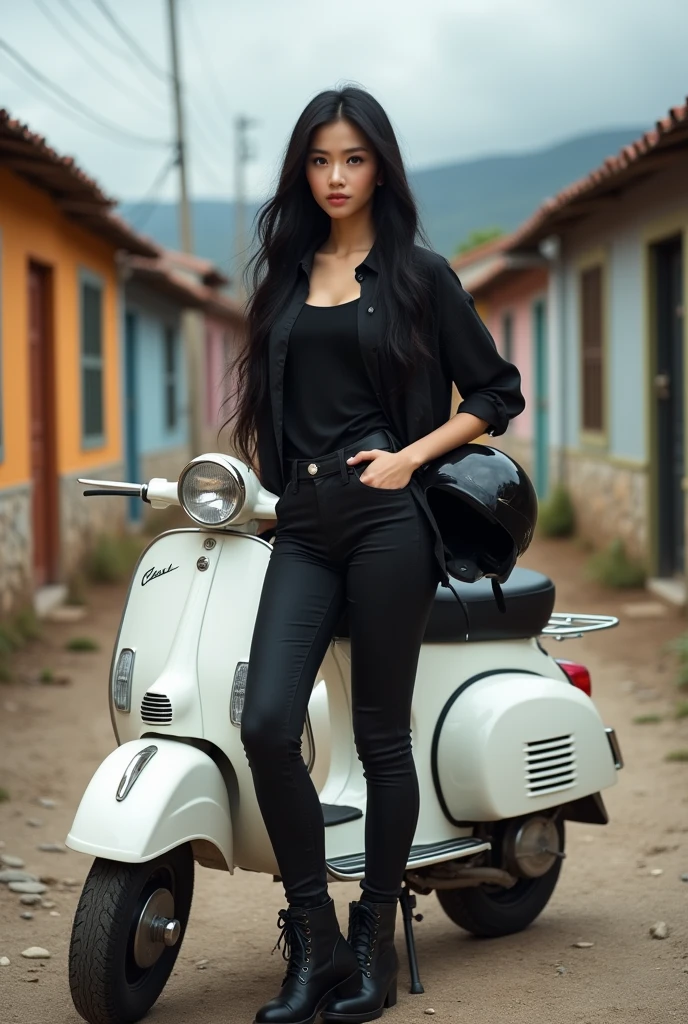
column 42, row 426
column 541, row 424
column 131, row 409
column 668, row 384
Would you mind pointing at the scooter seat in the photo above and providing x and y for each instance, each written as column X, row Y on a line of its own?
column 528, row 596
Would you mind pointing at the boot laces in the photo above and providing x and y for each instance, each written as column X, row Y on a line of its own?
column 364, row 922
column 295, row 933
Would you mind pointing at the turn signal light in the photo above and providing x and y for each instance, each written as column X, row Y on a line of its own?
column 577, row 674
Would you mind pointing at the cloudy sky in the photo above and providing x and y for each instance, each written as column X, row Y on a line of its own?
column 458, row 78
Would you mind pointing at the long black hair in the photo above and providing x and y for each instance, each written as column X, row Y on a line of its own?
column 292, row 221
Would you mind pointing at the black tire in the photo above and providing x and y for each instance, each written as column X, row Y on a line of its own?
column 492, row 911
column 107, row 985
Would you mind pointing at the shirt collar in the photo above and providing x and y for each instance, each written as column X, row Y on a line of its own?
column 370, row 261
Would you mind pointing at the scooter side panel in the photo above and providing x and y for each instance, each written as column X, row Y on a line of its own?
column 517, row 744
column 178, row 796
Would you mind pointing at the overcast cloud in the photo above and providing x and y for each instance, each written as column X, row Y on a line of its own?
column 458, row 78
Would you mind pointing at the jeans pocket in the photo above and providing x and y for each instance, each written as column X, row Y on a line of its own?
column 361, row 466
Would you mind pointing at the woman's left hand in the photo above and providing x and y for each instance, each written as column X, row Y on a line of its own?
column 386, row 470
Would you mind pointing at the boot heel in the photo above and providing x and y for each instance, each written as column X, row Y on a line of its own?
column 349, row 988
column 391, row 997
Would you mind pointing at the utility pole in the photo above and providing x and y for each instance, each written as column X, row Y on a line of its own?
column 192, row 322
column 242, row 155
column 185, row 232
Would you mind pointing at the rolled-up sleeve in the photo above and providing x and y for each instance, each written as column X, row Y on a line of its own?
column 489, row 385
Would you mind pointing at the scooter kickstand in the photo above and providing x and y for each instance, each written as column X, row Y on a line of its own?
column 408, row 904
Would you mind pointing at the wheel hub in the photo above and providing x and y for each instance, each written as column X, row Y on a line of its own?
column 532, row 847
column 157, row 928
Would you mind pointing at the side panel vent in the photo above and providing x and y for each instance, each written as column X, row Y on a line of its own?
column 550, row 765
column 156, row 709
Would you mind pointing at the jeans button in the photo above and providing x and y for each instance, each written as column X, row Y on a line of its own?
column 312, row 469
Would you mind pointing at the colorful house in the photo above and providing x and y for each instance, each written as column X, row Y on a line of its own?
column 215, row 332
column 156, row 406
column 617, row 244
column 510, row 291
column 60, row 366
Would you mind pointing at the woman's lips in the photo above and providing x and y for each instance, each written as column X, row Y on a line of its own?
column 337, row 200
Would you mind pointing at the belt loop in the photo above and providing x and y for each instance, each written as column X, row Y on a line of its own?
column 344, row 469
column 294, row 477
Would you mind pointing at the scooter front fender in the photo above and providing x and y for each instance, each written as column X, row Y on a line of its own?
column 148, row 796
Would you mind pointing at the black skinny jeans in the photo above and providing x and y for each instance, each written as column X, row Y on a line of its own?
column 340, row 542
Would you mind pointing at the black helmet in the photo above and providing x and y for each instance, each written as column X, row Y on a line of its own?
column 485, row 508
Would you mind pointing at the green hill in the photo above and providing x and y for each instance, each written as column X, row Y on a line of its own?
column 454, row 199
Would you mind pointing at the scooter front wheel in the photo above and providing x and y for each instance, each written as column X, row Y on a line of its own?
column 127, row 932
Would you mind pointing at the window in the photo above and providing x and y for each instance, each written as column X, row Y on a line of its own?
column 592, row 344
column 508, row 337
column 92, row 418
column 170, row 378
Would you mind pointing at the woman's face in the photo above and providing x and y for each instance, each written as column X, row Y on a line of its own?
column 341, row 161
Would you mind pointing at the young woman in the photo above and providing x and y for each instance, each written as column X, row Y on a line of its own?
column 355, row 334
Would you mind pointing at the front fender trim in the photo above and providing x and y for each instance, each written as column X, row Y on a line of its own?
column 177, row 796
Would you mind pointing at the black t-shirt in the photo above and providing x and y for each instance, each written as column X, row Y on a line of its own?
column 329, row 401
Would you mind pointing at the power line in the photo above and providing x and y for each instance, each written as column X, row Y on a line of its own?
column 55, row 92
column 121, row 84
column 131, row 42
column 217, row 92
column 87, row 27
column 150, row 198
column 207, row 135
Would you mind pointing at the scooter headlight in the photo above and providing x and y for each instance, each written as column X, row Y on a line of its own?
column 211, row 491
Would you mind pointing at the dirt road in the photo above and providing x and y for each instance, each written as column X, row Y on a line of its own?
column 53, row 737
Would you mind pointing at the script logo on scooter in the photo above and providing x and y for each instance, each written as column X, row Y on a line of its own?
column 152, row 574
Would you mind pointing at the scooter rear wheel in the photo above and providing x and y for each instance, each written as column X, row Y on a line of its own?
column 127, row 932
column 490, row 911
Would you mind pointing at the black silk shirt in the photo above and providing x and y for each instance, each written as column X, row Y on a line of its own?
column 463, row 352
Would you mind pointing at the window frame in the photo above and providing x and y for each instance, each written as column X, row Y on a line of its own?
column 507, row 328
column 594, row 437
column 170, row 378
column 88, row 278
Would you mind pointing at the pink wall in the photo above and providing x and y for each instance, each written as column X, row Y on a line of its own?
column 516, row 297
column 221, row 341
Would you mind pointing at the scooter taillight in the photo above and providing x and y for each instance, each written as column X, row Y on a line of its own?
column 577, row 674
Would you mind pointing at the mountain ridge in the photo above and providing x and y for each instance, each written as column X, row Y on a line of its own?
column 454, row 199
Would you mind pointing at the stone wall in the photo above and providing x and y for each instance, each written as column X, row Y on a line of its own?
column 82, row 520
column 611, row 501
column 16, row 550
column 519, row 448
column 167, row 463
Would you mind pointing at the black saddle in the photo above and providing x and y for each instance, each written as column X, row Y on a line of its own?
column 528, row 596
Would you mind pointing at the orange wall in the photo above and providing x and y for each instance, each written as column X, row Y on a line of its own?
column 32, row 228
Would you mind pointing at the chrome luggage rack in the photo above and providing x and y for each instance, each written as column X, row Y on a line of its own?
column 565, row 626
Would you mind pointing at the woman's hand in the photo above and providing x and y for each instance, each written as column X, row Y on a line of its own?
column 386, row 470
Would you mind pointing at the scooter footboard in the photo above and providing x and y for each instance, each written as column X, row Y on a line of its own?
column 148, row 796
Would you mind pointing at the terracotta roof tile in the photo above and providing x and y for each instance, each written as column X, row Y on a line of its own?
column 668, row 132
column 80, row 198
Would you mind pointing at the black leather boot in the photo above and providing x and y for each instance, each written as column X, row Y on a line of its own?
column 371, row 933
column 321, row 966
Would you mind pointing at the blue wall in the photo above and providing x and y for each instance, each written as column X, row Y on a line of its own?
column 152, row 316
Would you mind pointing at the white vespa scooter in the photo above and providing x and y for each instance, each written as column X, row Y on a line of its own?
column 507, row 742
